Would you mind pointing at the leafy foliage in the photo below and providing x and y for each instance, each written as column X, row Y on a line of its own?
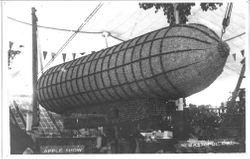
column 203, row 123
column 210, row 6
column 183, row 8
column 12, row 53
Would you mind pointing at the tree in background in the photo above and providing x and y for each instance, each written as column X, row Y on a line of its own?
column 12, row 53
column 183, row 8
column 202, row 122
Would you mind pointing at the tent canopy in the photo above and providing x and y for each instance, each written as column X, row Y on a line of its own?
column 123, row 20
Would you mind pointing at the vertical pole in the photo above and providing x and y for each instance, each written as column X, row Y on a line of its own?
column 105, row 35
column 176, row 13
column 34, row 69
column 179, row 115
column 106, row 41
column 236, row 90
column 179, row 120
column 117, row 150
column 180, row 104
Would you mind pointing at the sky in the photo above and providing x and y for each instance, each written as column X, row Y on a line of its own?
column 112, row 17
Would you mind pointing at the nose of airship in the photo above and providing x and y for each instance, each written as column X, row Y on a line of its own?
column 223, row 49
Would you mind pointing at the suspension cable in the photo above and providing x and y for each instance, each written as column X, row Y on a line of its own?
column 39, row 52
column 226, row 20
column 74, row 34
column 63, row 29
column 235, row 36
column 54, row 28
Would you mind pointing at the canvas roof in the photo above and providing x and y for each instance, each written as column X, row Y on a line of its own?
column 124, row 20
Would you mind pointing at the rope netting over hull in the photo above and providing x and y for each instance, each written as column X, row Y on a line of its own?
column 168, row 63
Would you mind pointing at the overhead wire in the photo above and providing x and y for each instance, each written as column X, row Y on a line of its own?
column 135, row 24
column 74, row 34
column 54, row 28
column 124, row 21
column 127, row 20
column 146, row 29
column 116, row 38
column 231, row 69
column 39, row 52
column 62, row 29
column 235, row 37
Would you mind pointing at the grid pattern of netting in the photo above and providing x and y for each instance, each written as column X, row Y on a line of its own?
column 15, row 118
column 18, row 114
column 168, row 63
column 46, row 124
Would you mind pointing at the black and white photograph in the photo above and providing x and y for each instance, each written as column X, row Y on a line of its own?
column 124, row 77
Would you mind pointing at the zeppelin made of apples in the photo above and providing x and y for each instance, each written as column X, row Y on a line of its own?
column 168, row 63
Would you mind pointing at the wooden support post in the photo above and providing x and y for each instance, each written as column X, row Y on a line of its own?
column 117, row 149
column 178, row 117
column 179, row 120
column 34, row 68
column 180, row 104
column 106, row 35
column 236, row 90
column 176, row 13
column 32, row 119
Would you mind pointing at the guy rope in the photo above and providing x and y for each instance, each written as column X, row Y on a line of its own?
column 226, row 20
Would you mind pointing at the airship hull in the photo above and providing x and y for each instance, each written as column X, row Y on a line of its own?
column 168, row 63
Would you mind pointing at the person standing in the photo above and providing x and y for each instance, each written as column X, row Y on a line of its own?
column 101, row 142
column 132, row 143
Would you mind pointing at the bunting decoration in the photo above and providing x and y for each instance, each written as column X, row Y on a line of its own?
column 242, row 53
column 234, row 56
column 82, row 53
column 64, row 56
column 44, row 54
column 10, row 44
column 74, row 56
column 12, row 53
column 242, row 61
column 53, row 55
